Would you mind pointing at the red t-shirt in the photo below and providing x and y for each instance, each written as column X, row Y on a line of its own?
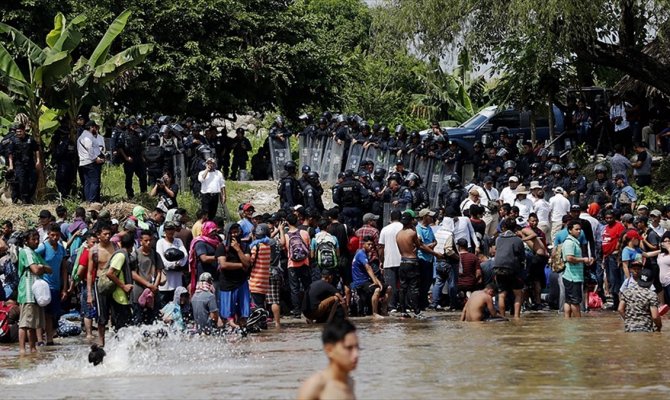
column 471, row 264
column 611, row 236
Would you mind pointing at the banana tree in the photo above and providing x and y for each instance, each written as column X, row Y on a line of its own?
column 90, row 79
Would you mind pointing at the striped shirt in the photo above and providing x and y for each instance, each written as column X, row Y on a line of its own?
column 259, row 279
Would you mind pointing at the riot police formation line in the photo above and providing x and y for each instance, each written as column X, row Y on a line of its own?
column 147, row 152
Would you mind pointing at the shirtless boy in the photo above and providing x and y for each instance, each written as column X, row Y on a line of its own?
column 340, row 344
column 480, row 305
column 97, row 260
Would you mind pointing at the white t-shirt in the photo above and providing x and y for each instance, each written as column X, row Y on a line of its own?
column 525, row 207
column 508, row 195
column 89, row 147
column 387, row 238
column 560, row 206
column 542, row 208
column 664, row 269
column 212, row 183
column 173, row 277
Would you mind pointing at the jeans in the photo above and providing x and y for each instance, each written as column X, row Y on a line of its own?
column 298, row 278
column 425, row 282
column 391, row 279
column 92, row 174
column 614, row 277
column 452, row 284
column 410, row 276
column 135, row 168
column 25, row 179
column 440, row 281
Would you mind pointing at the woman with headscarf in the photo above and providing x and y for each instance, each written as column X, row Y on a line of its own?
column 202, row 254
column 178, row 312
column 140, row 213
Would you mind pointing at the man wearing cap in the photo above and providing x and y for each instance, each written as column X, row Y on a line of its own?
column 247, row 225
column 612, row 234
column 490, row 196
column 524, row 204
column 474, row 197
column 655, row 217
column 24, row 160
column 44, row 220
column 559, row 206
column 91, row 148
column 212, row 188
column 426, row 254
column 508, row 194
column 639, row 305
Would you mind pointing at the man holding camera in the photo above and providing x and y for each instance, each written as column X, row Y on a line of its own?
column 212, row 188
column 91, row 150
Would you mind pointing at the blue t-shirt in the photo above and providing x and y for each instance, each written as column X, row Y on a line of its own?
column 54, row 259
column 628, row 254
column 358, row 272
column 426, row 236
column 561, row 235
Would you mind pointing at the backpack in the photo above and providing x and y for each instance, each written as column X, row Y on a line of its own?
column 105, row 285
column 298, row 250
column 11, row 276
column 557, row 262
column 4, row 319
column 326, row 254
column 75, row 264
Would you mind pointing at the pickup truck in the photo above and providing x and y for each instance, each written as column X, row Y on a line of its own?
column 489, row 119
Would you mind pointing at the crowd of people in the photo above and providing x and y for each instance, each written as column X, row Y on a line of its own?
column 528, row 232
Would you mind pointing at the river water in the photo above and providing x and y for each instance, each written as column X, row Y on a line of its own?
column 542, row 356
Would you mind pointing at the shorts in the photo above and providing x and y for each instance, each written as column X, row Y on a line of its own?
column 53, row 309
column 274, row 294
column 507, row 279
column 536, row 272
column 90, row 312
column 345, row 270
column 103, row 304
column 573, row 292
column 365, row 291
column 32, row 316
column 322, row 311
column 235, row 302
column 258, row 300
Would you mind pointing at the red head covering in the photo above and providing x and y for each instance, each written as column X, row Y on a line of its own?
column 594, row 209
column 207, row 228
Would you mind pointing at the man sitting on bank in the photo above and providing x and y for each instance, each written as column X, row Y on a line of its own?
column 322, row 299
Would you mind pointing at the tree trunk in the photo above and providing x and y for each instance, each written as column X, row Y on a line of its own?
column 533, row 128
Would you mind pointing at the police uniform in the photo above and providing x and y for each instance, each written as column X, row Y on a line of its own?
column 131, row 145
column 289, row 192
column 349, row 195
column 64, row 156
column 22, row 151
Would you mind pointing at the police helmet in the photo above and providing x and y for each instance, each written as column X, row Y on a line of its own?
column 313, row 176
column 535, row 165
column 204, row 151
column 572, row 165
column 454, row 180
column 548, row 165
column 153, row 140
column 600, row 168
column 239, row 130
column 395, row 176
column 163, row 120
column 327, row 115
column 280, row 120
column 323, row 121
column 385, row 130
column 400, row 128
column 365, row 126
column 379, row 173
column 510, row 164
column 290, row 166
column 341, row 118
column 556, row 168
column 305, row 169
column 349, row 173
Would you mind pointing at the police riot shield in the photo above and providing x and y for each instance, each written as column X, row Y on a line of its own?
column 468, row 173
column 335, row 161
column 433, row 183
column 316, row 154
column 304, row 147
column 422, row 168
column 355, row 155
column 324, row 161
column 370, row 154
column 180, row 171
column 413, row 162
column 280, row 153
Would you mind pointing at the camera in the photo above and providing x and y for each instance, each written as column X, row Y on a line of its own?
column 160, row 181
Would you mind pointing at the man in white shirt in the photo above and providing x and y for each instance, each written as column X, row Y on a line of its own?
column 212, row 188
column 622, row 132
column 560, row 206
column 534, row 188
column 525, row 205
column 655, row 219
column 508, row 194
column 462, row 229
column 91, row 149
column 388, row 250
column 542, row 209
column 474, row 197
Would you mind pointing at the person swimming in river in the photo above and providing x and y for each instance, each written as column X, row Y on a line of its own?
column 479, row 306
column 340, row 344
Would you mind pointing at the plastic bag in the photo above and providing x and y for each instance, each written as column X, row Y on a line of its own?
column 595, row 301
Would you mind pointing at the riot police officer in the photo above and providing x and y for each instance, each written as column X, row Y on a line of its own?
column 452, row 196
column 420, row 196
column 289, row 188
column 241, row 146
column 24, row 161
column 154, row 156
column 64, row 156
column 576, row 184
column 130, row 148
column 117, row 134
column 171, row 147
column 350, row 194
column 601, row 188
column 377, row 188
column 311, row 193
